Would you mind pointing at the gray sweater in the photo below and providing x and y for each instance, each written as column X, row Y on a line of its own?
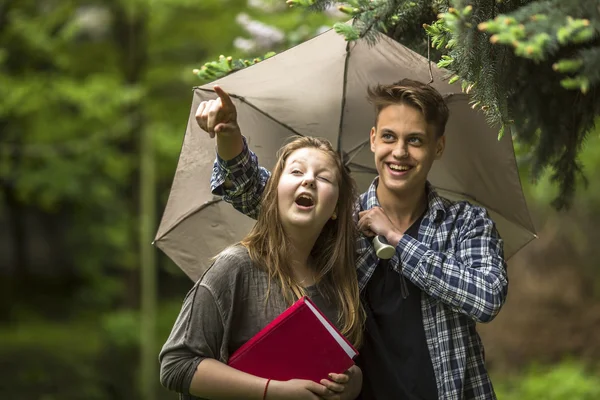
column 223, row 310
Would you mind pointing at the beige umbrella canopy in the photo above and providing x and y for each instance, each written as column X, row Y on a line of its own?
column 319, row 88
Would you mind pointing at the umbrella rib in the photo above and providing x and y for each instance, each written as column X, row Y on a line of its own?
column 354, row 152
column 343, row 105
column 185, row 216
column 243, row 100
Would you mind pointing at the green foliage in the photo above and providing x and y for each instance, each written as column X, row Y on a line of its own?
column 70, row 123
column 85, row 359
column 81, row 81
column 537, row 34
column 51, row 362
column 511, row 71
column 566, row 381
column 213, row 70
column 348, row 31
column 542, row 191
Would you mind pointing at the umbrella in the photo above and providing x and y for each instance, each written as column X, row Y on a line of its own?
column 318, row 88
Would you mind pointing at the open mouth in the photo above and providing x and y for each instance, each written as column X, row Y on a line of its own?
column 400, row 168
column 305, row 201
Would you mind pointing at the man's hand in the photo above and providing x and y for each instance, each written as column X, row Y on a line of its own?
column 218, row 116
column 375, row 222
column 345, row 386
column 297, row 389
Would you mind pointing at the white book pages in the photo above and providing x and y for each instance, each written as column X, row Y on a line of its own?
column 331, row 329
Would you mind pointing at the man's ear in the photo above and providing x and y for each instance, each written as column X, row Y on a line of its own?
column 372, row 138
column 440, row 146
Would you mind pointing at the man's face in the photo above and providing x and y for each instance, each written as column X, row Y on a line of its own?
column 405, row 147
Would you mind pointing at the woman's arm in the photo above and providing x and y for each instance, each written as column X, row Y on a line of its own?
column 217, row 381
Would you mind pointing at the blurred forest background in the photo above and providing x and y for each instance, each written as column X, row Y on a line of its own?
column 81, row 83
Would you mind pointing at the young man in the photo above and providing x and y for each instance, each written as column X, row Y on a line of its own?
column 448, row 271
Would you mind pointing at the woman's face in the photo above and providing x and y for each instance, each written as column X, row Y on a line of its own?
column 308, row 190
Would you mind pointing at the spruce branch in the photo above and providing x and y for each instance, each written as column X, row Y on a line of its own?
column 213, row 70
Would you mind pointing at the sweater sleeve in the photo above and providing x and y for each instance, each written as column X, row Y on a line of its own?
column 197, row 334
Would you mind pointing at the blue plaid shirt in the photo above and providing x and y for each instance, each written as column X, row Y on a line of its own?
column 457, row 262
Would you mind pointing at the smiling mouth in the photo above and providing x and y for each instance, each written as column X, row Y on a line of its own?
column 400, row 168
column 305, row 201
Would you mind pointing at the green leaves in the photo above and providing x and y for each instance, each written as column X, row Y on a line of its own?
column 580, row 82
column 348, row 31
column 213, row 70
column 300, row 3
column 445, row 62
column 566, row 381
column 575, row 31
column 76, row 92
column 535, row 37
column 506, row 30
column 567, row 65
column 440, row 34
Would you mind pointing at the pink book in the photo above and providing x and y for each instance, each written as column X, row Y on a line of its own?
column 299, row 344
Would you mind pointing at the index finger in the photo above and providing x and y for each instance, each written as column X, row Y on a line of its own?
column 225, row 99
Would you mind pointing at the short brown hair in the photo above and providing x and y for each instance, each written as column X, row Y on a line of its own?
column 415, row 94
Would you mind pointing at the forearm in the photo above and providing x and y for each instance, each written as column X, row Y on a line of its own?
column 477, row 289
column 216, row 380
column 230, row 146
column 240, row 181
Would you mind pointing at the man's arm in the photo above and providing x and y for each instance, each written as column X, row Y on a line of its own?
column 473, row 280
column 236, row 174
column 241, row 181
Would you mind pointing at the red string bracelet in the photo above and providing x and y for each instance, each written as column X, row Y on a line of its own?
column 266, row 387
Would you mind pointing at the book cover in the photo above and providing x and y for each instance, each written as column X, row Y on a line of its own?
column 299, row 344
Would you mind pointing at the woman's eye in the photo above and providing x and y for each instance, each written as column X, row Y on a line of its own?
column 296, row 172
column 326, row 179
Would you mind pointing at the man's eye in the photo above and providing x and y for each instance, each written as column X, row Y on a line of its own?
column 387, row 136
column 415, row 140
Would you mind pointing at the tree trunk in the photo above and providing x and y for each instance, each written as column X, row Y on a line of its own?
column 131, row 35
column 16, row 228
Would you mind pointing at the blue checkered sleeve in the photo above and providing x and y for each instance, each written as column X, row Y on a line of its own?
column 240, row 181
column 472, row 279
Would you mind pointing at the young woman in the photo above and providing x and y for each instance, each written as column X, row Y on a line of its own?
column 303, row 243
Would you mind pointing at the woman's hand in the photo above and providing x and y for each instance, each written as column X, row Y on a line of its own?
column 297, row 389
column 344, row 386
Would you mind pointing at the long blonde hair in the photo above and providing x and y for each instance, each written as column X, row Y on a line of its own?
column 333, row 254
